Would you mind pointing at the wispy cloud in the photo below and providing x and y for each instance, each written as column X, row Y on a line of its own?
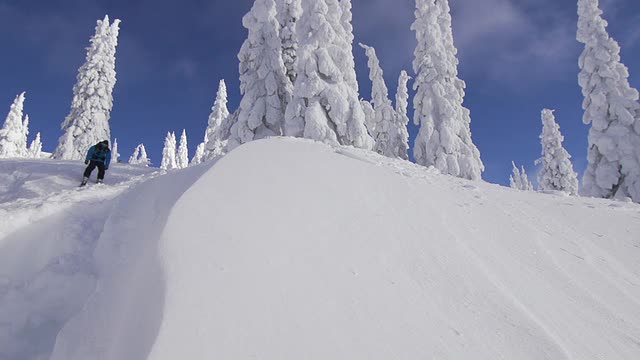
column 618, row 18
column 507, row 42
column 186, row 68
column 499, row 40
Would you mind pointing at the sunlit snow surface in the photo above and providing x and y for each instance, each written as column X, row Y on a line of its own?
column 289, row 249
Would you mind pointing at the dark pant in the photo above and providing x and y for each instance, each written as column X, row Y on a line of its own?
column 92, row 165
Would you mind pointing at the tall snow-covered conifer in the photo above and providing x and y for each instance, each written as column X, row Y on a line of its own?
column 444, row 140
column 35, row 149
column 182, row 157
column 12, row 134
column 388, row 130
column 198, row 157
column 402, row 106
column 346, row 18
column 88, row 120
column 264, row 84
column 144, row 158
column 169, row 151
column 115, row 155
column 557, row 172
column 133, row 159
column 219, row 125
column 140, row 156
column 325, row 106
column 519, row 179
column 288, row 14
column 24, row 142
column 369, row 115
column 611, row 107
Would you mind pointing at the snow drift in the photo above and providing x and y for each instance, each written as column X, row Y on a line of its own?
column 48, row 232
column 290, row 249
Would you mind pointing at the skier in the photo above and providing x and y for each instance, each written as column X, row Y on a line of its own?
column 98, row 156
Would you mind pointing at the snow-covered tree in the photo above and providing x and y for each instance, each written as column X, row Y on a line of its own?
column 24, row 142
column 219, row 126
column 35, row 149
column 519, row 179
column 264, row 84
column 144, row 158
column 557, row 172
column 169, row 151
column 140, row 157
column 369, row 115
column 611, row 107
column 346, row 17
column 88, row 120
column 444, row 140
column 402, row 106
column 325, row 107
column 198, row 158
column 12, row 134
column 115, row 155
column 388, row 130
column 182, row 158
column 133, row 160
column 288, row 14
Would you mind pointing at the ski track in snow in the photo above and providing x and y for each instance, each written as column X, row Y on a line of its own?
column 391, row 261
column 49, row 228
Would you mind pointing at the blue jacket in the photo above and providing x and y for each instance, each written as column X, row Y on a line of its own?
column 102, row 155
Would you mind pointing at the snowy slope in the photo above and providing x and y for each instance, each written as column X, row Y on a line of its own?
column 289, row 249
column 48, row 230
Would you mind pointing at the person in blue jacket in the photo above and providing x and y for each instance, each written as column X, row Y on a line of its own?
column 98, row 156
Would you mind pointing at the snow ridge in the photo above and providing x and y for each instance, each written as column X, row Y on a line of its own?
column 437, row 266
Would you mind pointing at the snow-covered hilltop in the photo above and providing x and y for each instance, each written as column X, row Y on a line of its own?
column 291, row 249
column 328, row 243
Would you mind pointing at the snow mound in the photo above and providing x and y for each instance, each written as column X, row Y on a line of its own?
column 290, row 249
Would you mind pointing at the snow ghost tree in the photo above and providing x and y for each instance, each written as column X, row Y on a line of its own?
column 346, row 18
column 88, row 120
column 198, row 157
column 519, row 179
column 35, row 149
column 183, row 152
column 444, row 140
column 402, row 106
column 12, row 135
column 133, row 160
column 219, row 126
column 24, row 138
column 115, row 155
column 144, row 158
column 369, row 115
column 611, row 107
column 264, row 84
column 382, row 107
column 288, row 14
column 140, row 157
column 388, row 130
column 557, row 172
column 325, row 106
column 169, row 161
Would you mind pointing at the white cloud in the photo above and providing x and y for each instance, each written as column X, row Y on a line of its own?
column 502, row 40
column 186, row 68
column 506, row 42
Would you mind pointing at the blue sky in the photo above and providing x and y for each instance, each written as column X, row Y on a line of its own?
column 517, row 57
